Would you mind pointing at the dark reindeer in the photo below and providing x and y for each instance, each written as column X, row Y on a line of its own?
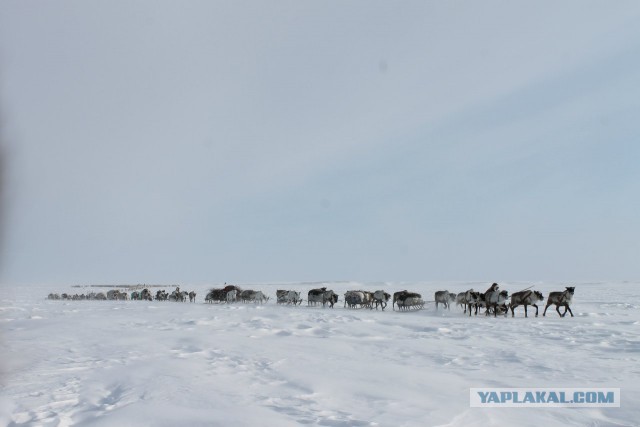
column 561, row 299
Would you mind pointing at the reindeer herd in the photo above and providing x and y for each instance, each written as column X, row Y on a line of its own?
column 492, row 301
column 497, row 302
column 116, row 294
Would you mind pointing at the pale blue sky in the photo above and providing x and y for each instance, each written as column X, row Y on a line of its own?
column 278, row 141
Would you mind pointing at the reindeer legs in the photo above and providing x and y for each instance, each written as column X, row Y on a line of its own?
column 566, row 307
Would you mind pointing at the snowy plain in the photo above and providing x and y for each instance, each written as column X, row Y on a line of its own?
column 141, row 363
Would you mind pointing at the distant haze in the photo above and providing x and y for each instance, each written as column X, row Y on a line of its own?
column 277, row 141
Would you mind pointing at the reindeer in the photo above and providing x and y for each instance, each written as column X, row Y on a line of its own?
column 253, row 296
column 145, row 295
column 525, row 298
column 260, row 298
column 178, row 296
column 113, row 294
column 231, row 296
column 467, row 300
column 211, row 295
column 460, row 300
column 396, row 298
column 288, row 297
column 381, row 298
column 561, row 299
column 445, row 298
column 322, row 295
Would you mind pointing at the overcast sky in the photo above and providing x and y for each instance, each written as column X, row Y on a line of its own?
column 250, row 141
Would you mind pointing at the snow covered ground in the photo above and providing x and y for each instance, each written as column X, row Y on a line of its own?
column 134, row 363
